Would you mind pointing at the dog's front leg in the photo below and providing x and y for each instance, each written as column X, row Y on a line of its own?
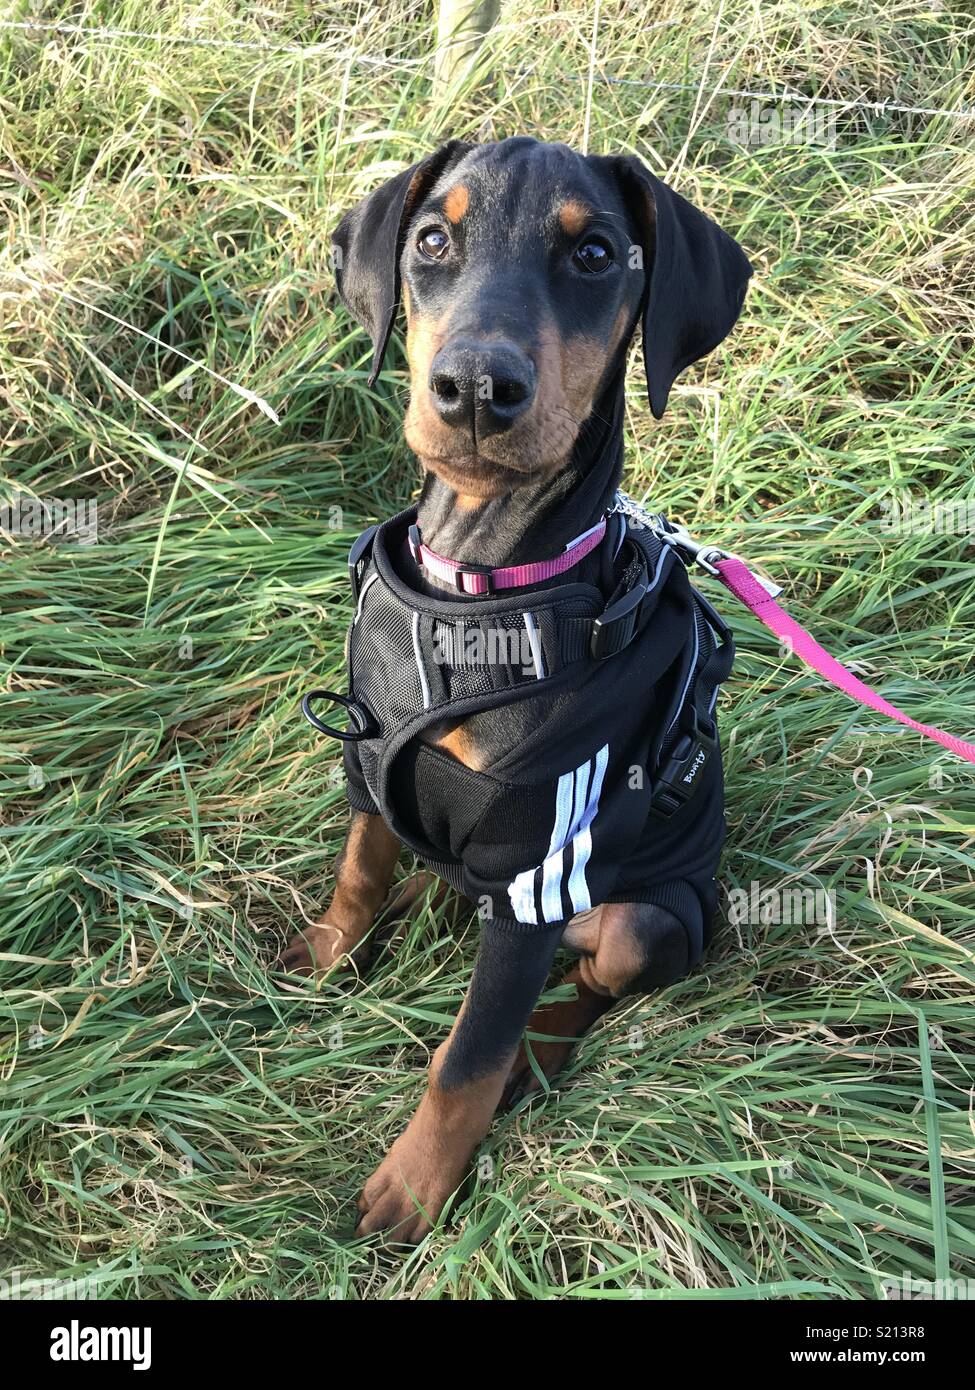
column 363, row 873
column 408, row 1190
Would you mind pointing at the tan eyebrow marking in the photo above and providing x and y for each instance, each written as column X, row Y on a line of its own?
column 573, row 216
column 456, row 202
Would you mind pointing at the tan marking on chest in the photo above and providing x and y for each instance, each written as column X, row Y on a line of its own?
column 459, row 744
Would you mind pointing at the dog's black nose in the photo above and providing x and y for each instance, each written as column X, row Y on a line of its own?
column 482, row 387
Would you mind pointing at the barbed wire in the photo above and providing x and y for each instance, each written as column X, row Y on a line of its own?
column 372, row 60
column 194, row 41
column 839, row 103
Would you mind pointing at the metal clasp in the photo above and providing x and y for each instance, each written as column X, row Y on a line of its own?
column 700, row 552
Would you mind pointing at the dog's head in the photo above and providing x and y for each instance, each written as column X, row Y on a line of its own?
column 524, row 268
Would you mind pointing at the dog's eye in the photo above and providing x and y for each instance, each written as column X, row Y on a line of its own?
column 433, row 243
column 593, row 256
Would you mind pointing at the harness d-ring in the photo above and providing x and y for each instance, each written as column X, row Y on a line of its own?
column 359, row 717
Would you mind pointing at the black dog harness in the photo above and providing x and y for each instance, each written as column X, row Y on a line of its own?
column 592, row 803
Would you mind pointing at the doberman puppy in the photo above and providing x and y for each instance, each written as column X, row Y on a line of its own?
column 524, row 269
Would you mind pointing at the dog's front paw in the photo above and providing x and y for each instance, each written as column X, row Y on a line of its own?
column 410, row 1188
column 316, row 950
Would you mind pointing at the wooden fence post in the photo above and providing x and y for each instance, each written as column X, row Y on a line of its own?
column 461, row 26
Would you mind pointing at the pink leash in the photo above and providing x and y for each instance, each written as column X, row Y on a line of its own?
column 733, row 573
column 736, row 576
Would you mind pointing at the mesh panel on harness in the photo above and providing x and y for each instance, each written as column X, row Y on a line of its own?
column 383, row 660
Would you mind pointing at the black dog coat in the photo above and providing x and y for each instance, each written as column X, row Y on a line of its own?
column 615, row 796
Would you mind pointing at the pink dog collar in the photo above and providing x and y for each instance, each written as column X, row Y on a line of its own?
column 481, row 579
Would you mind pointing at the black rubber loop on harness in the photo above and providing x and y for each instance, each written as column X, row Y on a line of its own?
column 360, row 717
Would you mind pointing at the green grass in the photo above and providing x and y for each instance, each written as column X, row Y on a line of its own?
column 179, row 1120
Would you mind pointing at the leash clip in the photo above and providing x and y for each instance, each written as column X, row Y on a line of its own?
column 707, row 556
column 699, row 552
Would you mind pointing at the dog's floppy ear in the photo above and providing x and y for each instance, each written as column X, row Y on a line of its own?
column 368, row 241
column 697, row 277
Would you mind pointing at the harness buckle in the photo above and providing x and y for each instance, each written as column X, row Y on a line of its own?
column 460, row 573
column 484, row 572
column 680, row 776
column 606, row 638
column 357, row 557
